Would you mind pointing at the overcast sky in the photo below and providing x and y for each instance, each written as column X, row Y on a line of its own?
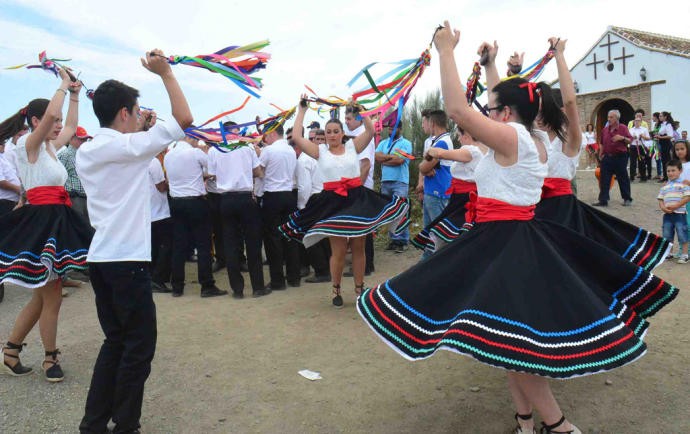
column 312, row 42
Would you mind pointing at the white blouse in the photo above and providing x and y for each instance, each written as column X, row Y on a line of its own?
column 334, row 167
column 560, row 165
column 46, row 171
column 465, row 171
column 518, row 184
column 591, row 137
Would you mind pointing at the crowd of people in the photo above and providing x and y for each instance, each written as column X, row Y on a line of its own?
column 130, row 205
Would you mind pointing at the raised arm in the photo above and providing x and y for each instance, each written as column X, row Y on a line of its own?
column 574, row 136
column 72, row 119
column 312, row 149
column 157, row 63
column 492, row 78
column 362, row 141
column 496, row 135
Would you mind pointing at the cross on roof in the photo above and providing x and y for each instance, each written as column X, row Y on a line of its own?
column 623, row 57
column 608, row 45
column 595, row 62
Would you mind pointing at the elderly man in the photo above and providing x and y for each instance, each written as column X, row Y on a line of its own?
column 613, row 154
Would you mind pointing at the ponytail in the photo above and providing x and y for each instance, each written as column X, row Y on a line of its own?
column 17, row 122
column 550, row 112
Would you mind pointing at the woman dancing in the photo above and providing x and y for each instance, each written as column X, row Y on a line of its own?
column 345, row 210
column 42, row 241
column 523, row 294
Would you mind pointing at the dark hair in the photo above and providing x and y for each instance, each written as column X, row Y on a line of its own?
column 110, row 97
column 438, row 118
column 320, row 132
column 675, row 163
column 18, row 121
column 639, row 110
column 655, row 115
column 426, row 113
column 669, row 119
column 280, row 130
column 687, row 150
column 587, row 127
column 289, row 130
column 229, row 124
column 558, row 97
column 350, row 110
column 509, row 93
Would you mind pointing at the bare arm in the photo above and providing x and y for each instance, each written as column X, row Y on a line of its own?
column 72, row 119
column 463, row 155
column 364, row 166
column 381, row 157
column 394, row 160
column 312, row 149
column 574, row 140
column 258, row 172
column 426, row 167
column 362, row 141
column 157, row 63
column 498, row 136
column 162, row 186
column 7, row 185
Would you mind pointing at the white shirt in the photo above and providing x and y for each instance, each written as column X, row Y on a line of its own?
column 233, row 170
column 11, row 154
column 465, row 171
column 279, row 161
column 666, row 129
column 160, row 209
column 369, row 153
column 685, row 174
column 560, row 165
column 637, row 133
column 309, row 179
column 335, row 167
column 9, row 174
column 46, row 171
column 590, row 137
column 185, row 166
column 113, row 169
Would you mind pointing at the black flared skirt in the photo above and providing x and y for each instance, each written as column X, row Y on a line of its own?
column 635, row 244
column 528, row 296
column 361, row 212
column 39, row 243
column 446, row 227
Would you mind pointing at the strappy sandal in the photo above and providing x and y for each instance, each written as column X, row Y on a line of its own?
column 17, row 370
column 338, row 299
column 518, row 429
column 359, row 289
column 548, row 429
column 53, row 374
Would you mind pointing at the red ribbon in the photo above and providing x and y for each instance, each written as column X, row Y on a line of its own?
column 341, row 187
column 53, row 195
column 23, row 111
column 483, row 209
column 531, row 87
column 556, row 187
column 458, row 186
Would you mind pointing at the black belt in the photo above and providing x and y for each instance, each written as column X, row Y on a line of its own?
column 75, row 194
column 188, row 197
column 236, row 193
column 620, row 154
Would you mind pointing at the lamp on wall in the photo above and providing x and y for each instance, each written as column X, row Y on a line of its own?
column 643, row 74
column 577, row 86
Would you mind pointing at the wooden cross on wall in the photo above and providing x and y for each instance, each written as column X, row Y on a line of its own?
column 608, row 44
column 623, row 57
column 595, row 62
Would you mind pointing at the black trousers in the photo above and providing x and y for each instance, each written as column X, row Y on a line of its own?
column 638, row 159
column 161, row 250
column 191, row 221
column 217, row 223
column 276, row 210
column 648, row 164
column 128, row 318
column 242, row 225
column 665, row 147
column 318, row 256
column 614, row 165
column 6, row 206
column 369, row 252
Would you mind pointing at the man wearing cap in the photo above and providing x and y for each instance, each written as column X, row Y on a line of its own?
column 73, row 185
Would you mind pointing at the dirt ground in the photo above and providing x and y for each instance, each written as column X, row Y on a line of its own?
column 225, row 365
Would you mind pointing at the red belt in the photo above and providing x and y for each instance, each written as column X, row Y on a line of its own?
column 341, row 187
column 556, row 187
column 458, row 186
column 483, row 209
column 53, row 195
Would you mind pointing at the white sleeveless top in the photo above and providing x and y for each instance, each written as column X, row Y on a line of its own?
column 334, row 167
column 519, row 184
column 560, row 165
column 44, row 172
column 465, row 171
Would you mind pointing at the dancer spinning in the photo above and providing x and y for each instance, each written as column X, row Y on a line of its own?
column 41, row 242
column 450, row 223
column 345, row 210
column 527, row 295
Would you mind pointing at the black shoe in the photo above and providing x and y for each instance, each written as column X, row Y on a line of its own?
column 627, row 202
column 296, row 284
column 661, row 181
column 318, row 279
column 262, row 292
column 243, row 267
column 600, row 203
column 17, row 370
column 217, row 266
column 271, row 287
column 304, row 272
column 400, row 248
column 2, row 292
column 53, row 374
column 643, row 180
column 212, row 292
column 337, row 299
column 238, row 295
column 391, row 246
column 177, row 293
column 160, row 287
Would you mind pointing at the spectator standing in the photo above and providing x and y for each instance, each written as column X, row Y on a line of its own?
column 161, row 228
column 613, row 154
column 665, row 135
column 639, row 153
column 673, row 197
column 73, row 185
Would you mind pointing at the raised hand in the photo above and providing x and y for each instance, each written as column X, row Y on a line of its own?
column 558, row 44
column 156, row 62
column 446, row 39
column 491, row 52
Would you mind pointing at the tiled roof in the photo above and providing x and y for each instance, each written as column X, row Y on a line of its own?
column 654, row 41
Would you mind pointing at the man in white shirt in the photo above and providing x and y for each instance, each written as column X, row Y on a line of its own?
column 353, row 123
column 10, row 190
column 10, row 147
column 161, row 228
column 241, row 215
column 278, row 161
column 113, row 168
column 639, row 152
column 186, row 164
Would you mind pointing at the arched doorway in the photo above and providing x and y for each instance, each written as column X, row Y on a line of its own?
column 600, row 114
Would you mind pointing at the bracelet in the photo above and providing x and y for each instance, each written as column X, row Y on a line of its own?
column 61, row 90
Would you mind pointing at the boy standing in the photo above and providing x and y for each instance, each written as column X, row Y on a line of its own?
column 672, row 199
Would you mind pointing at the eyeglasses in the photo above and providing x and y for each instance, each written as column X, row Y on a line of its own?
column 497, row 108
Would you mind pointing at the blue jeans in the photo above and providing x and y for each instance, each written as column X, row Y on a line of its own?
column 676, row 223
column 433, row 207
column 390, row 188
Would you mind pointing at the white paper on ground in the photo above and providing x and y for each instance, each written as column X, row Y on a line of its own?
column 310, row 375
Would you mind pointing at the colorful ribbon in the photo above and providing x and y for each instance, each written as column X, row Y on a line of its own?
column 45, row 63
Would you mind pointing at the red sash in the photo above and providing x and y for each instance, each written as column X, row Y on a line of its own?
column 556, row 187
column 458, row 186
column 483, row 209
column 53, row 195
column 341, row 187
